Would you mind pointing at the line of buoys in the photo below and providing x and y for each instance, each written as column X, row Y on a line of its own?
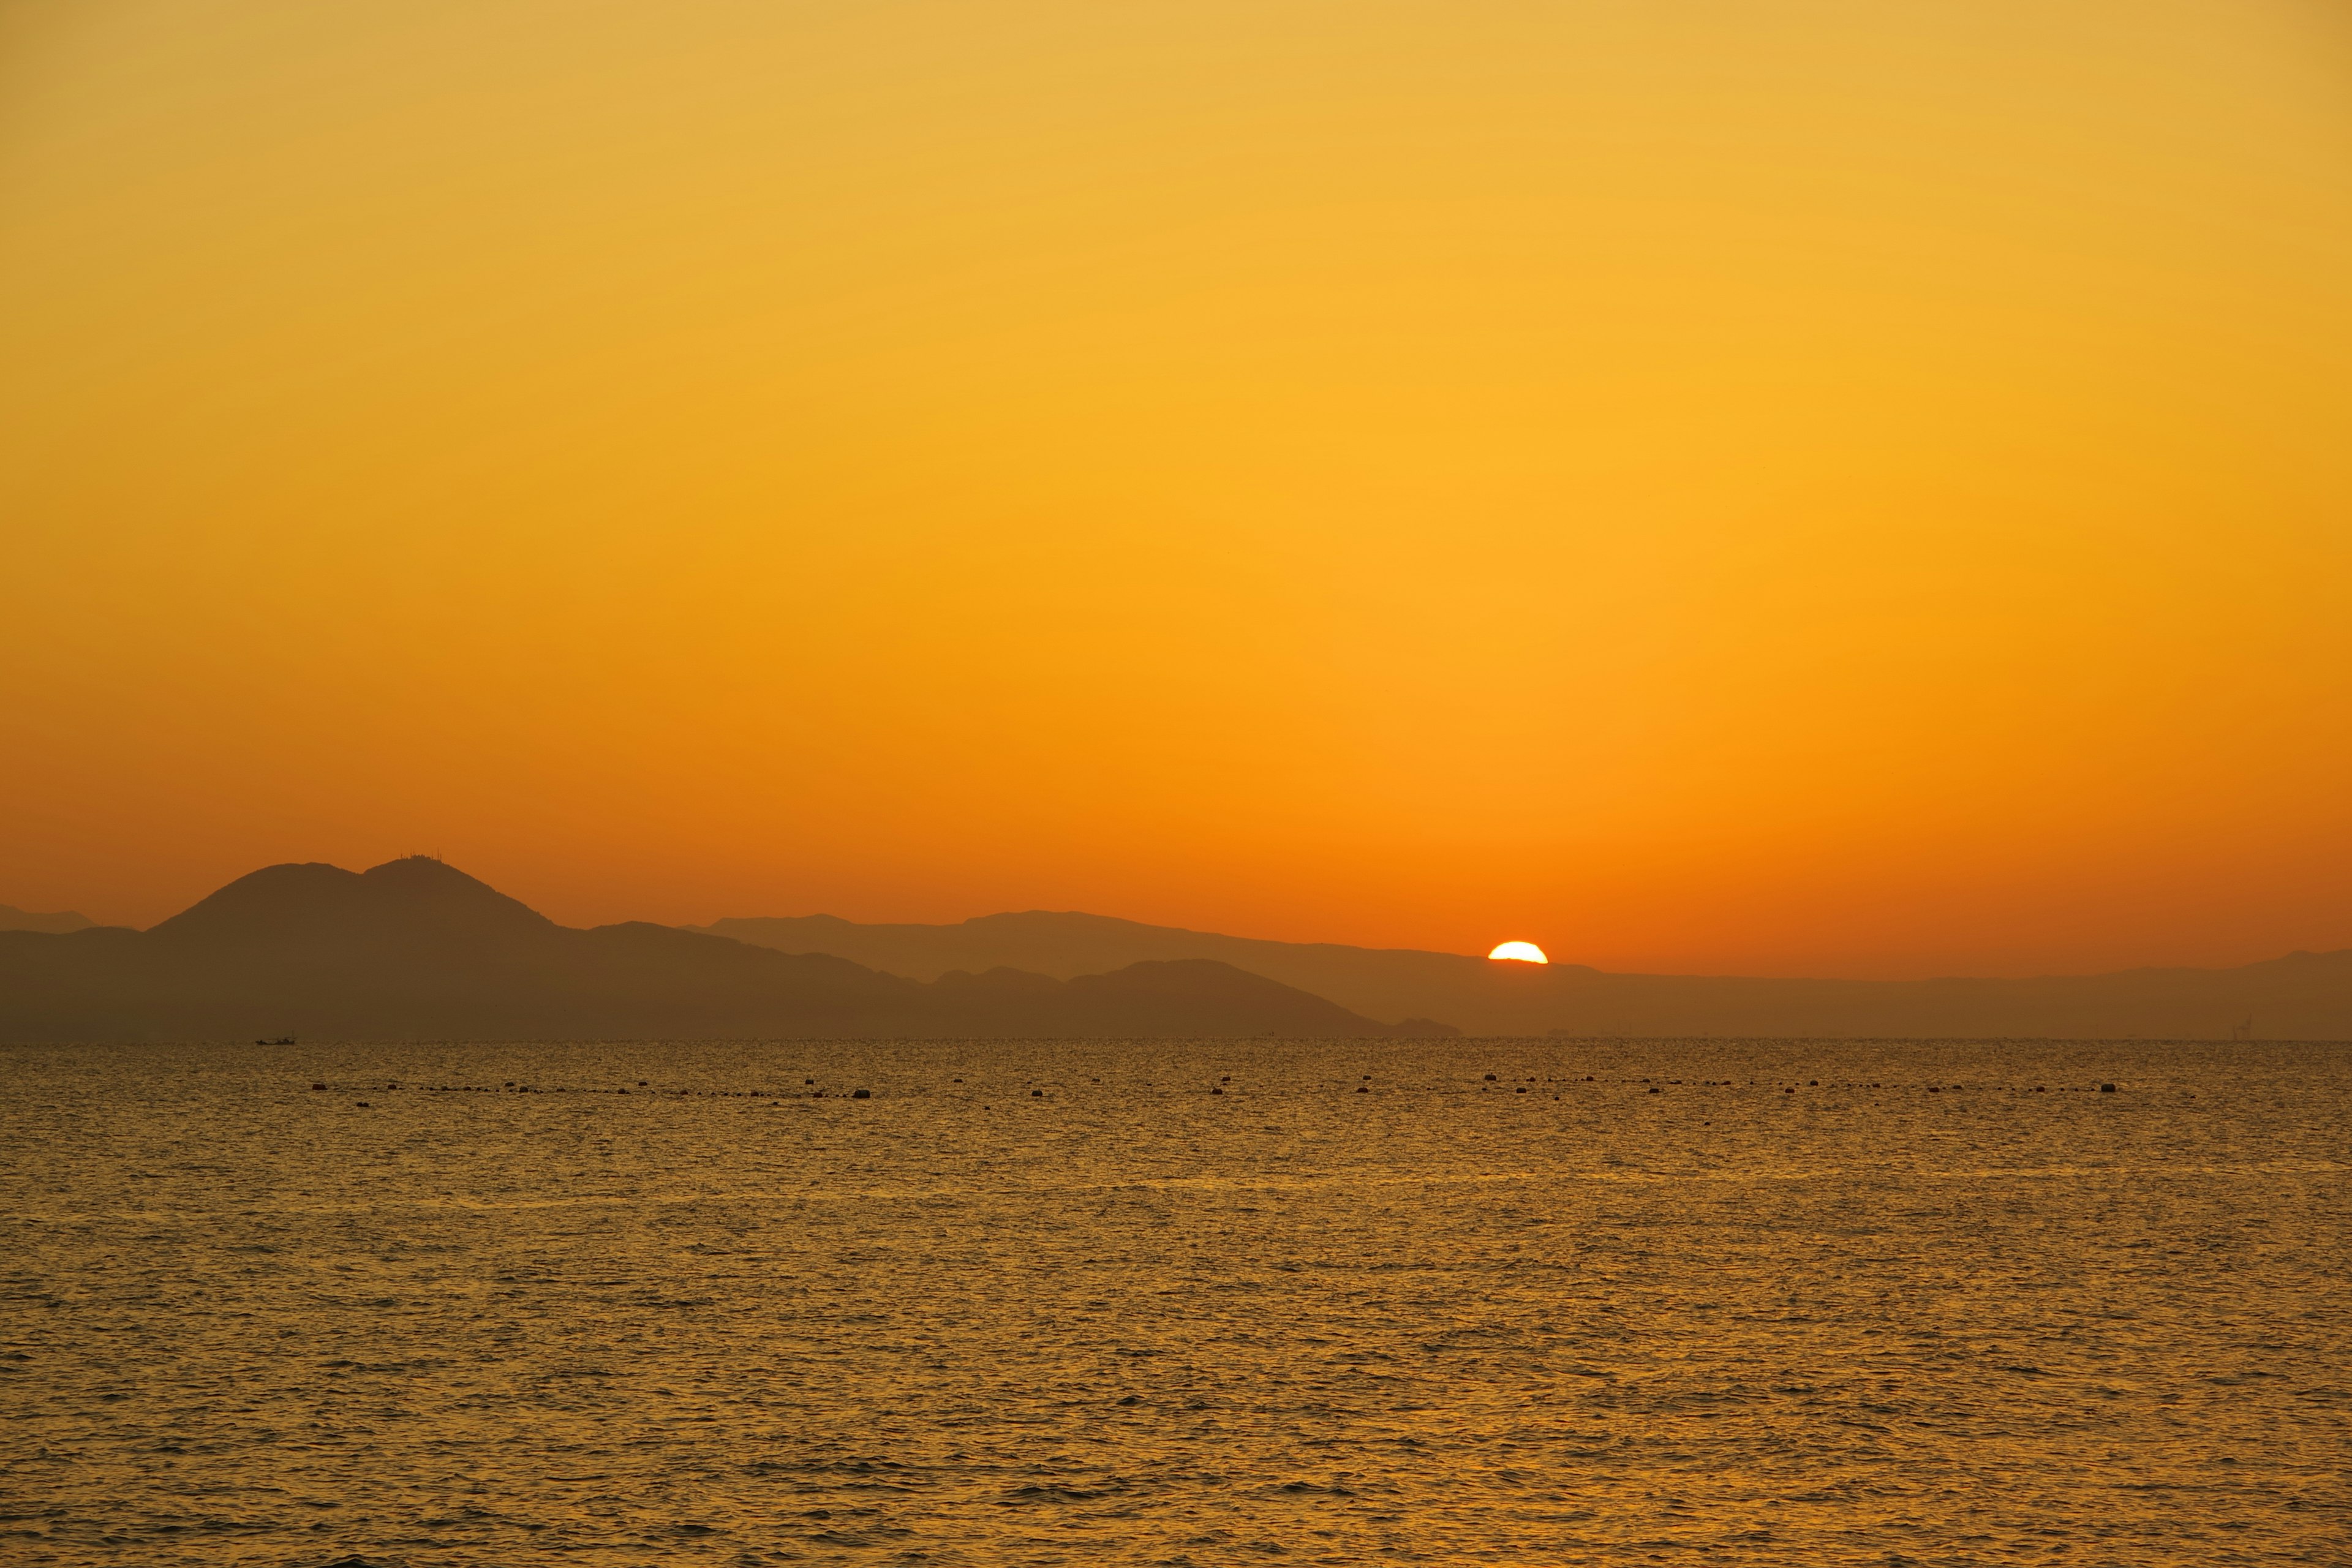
column 1650, row 1084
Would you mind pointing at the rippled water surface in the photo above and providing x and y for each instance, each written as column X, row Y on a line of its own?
column 1127, row 1320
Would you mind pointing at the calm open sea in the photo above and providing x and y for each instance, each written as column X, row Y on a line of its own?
column 1125, row 1319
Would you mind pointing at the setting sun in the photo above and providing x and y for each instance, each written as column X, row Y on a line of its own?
column 1520, row 952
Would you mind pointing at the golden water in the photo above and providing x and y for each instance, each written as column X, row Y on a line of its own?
column 1130, row 1320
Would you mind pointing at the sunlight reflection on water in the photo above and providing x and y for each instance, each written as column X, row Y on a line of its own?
column 1133, row 1321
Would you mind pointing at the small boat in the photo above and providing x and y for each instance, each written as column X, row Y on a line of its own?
column 280, row 1041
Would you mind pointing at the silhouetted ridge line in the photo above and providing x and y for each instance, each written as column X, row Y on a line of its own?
column 59, row 921
column 415, row 949
column 2301, row 997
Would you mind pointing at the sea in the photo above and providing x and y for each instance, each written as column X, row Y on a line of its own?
column 1246, row 1301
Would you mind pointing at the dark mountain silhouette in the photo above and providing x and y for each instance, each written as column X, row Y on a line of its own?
column 2302, row 996
column 413, row 949
column 13, row 918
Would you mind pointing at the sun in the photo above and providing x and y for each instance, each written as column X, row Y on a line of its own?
column 1520, row 952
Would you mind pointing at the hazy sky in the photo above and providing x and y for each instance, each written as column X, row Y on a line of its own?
column 1854, row 488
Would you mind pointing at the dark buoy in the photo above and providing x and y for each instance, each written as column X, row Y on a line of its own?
column 318, row 1086
column 641, row 1083
column 1490, row 1078
column 1520, row 1092
column 1227, row 1079
column 1812, row 1083
column 1360, row 1089
column 1132, row 1399
column 1654, row 1092
column 1213, row 1089
column 2106, row 1088
column 363, row 1105
column 861, row 1094
column 1787, row 1091
column 1037, row 1094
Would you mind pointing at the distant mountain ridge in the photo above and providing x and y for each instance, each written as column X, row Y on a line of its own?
column 2300, row 996
column 13, row 918
column 415, row 949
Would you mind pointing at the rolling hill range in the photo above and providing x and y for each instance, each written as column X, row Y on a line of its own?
column 413, row 949
column 2301, row 997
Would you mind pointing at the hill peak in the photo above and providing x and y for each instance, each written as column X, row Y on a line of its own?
column 416, row 897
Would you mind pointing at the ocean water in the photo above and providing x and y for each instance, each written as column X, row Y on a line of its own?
column 1363, row 1306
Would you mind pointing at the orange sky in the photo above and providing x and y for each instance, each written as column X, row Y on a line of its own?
column 1841, row 488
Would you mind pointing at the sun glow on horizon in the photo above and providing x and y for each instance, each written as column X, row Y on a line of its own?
column 1520, row 952
column 1840, row 489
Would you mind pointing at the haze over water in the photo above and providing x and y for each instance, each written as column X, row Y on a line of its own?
column 1130, row 1320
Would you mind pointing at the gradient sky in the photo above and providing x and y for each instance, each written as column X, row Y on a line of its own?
column 1842, row 488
